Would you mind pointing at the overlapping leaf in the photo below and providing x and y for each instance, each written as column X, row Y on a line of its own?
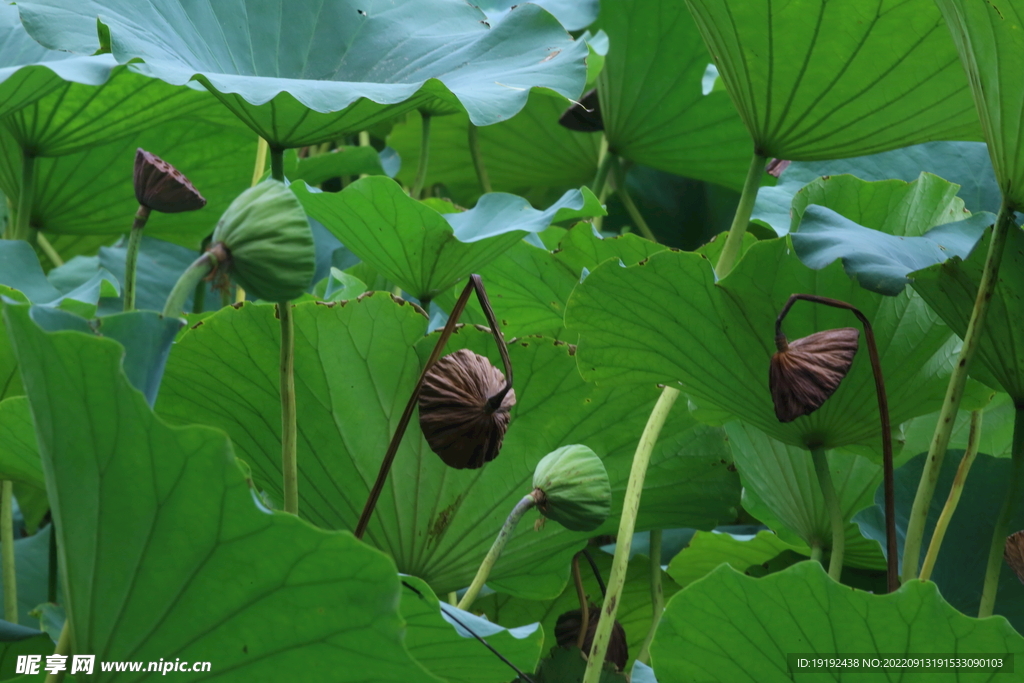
column 707, row 550
column 822, row 80
column 281, row 71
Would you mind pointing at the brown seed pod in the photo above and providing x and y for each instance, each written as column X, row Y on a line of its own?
column 567, row 632
column 161, row 187
column 461, row 414
column 1013, row 553
column 805, row 372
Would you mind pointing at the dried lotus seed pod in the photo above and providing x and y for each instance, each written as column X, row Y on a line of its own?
column 805, row 372
column 463, row 412
column 1013, row 553
column 161, row 187
column 575, row 487
column 567, row 632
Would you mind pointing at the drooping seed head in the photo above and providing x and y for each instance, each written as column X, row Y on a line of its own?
column 574, row 488
column 805, row 372
column 161, row 187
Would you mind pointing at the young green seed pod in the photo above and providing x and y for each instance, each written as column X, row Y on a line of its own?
column 269, row 242
column 567, row 632
column 1013, row 553
column 574, row 488
column 805, row 372
column 161, row 187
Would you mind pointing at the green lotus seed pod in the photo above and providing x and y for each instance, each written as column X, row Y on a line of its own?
column 575, row 487
column 269, row 242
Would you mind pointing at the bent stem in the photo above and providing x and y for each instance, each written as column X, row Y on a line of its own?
column 1013, row 494
column 581, row 596
column 525, row 503
column 7, row 548
column 657, row 596
column 835, row 513
column 627, row 201
column 193, row 275
column 26, row 197
column 954, row 392
column 624, row 540
column 421, row 169
column 954, row 496
column 478, row 159
column 740, row 221
column 289, row 433
column 47, row 248
column 132, row 257
column 475, row 284
column 261, row 161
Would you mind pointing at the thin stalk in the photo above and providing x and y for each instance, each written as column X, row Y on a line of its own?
column 475, row 284
column 1014, row 491
column 627, row 524
column 421, row 169
column 26, row 197
column 261, row 161
column 954, row 496
column 605, row 159
column 51, row 579
column 277, row 164
column 478, row 159
column 816, row 551
column 63, row 648
column 132, row 258
column 835, row 513
column 7, row 551
column 627, row 201
column 289, row 433
column 740, row 221
column 657, row 596
column 192, row 276
column 954, row 392
column 453, row 599
column 47, row 248
column 364, row 141
column 526, row 502
column 581, row 596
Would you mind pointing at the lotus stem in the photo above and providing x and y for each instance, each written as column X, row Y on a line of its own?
column 277, row 163
column 741, row 219
column 581, row 596
column 63, row 648
column 954, row 392
column 478, row 159
column 657, row 596
column 627, row 201
column 132, row 257
column 47, row 248
column 289, row 432
column 52, row 566
column 192, row 276
column 421, row 169
column 605, row 160
column 7, row 548
column 835, row 513
column 261, row 162
column 1014, row 491
column 816, row 551
column 624, row 540
column 26, row 197
column 525, row 503
column 954, row 496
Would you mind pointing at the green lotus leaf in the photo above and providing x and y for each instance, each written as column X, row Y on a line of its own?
column 163, row 553
column 281, row 70
column 708, row 549
column 652, row 103
column 32, row 564
column 573, row 14
column 667, row 320
column 996, row 433
column 991, row 47
column 822, row 80
column 736, row 629
column 19, row 457
column 960, row 565
column 356, row 365
column 950, row 288
column 423, row 251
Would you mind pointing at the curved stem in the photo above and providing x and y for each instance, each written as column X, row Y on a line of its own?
column 657, row 596
column 421, row 169
column 740, row 221
column 47, row 248
column 627, row 201
column 478, row 159
column 1014, row 491
column 192, row 276
column 624, row 540
column 525, row 503
column 132, row 257
column 51, row 565
column 26, row 197
column 835, row 513
column 7, row 550
column 581, row 596
column 289, row 433
column 954, row 496
column 63, row 648
column 261, row 161
column 954, row 392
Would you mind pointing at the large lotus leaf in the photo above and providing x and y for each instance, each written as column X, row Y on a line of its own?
column 301, row 73
column 634, row 610
column 966, row 164
column 32, row 564
column 667, row 320
column 652, row 103
column 91, row 192
column 16, row 641
column 736, row 629
column 950, row 288
column 573, row 14
column 356, row 364
column 820, row 80
column 708, row 549
column 422, row 250
column 19, row 457
column 452, row 653
column 996, row 429
column 960, row 566
column 991, row 45
column 781, row 489
column 164, row 554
